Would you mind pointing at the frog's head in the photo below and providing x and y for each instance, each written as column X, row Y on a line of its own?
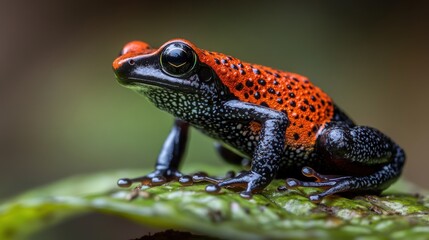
column 174, row 66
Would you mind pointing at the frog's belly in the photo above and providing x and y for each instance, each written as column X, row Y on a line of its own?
column 243, row 138
column 239, row 136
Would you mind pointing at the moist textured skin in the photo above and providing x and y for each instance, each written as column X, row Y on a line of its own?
column 308, row 108
column 276, row 120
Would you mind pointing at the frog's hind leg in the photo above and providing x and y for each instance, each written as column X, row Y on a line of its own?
column 368, row 160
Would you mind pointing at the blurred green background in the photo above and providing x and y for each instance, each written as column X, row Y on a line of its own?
column 62, row 112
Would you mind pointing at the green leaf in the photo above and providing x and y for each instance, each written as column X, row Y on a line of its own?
column 401, row 213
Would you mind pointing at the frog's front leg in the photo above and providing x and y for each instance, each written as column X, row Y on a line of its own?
column 369, row 161
column 269, row 148
column 167, row 164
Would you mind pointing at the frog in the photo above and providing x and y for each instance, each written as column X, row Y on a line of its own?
column 274, row 123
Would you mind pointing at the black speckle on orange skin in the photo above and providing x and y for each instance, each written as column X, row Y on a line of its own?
column 239, row 87
column 264, row 104
column 296, row 136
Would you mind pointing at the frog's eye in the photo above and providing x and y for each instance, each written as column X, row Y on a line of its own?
column 178, row 59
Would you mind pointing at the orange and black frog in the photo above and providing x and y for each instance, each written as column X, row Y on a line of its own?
column 277, row 121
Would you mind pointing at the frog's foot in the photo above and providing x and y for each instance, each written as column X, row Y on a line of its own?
column 203, row 177
column 250, row 181
column 156, row 178
column 332, row 184
column 159, row 177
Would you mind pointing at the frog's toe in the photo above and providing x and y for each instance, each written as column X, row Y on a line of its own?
column 213, row 188
column 144, row 180
column 250, row 182
column 292, row 183
column 124, row 182
column 333, row 184
column 246, row 194
column 245, row 180
column 343, row 185
column 155, row 178
column 235, row 182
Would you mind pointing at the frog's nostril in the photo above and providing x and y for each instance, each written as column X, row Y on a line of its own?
column 123, row 61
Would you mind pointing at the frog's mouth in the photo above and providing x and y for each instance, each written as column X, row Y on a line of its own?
column 178, row 85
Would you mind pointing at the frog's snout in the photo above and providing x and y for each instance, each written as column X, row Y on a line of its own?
column 122, row 67
column 124, row 61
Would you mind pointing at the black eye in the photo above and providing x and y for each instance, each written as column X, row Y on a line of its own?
column 178, row 59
